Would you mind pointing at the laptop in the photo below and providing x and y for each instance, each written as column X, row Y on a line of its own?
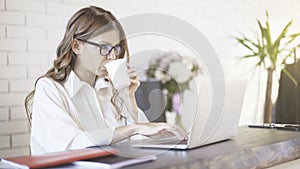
column 216, row 118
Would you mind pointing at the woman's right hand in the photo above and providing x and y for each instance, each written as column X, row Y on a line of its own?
column 159, row 129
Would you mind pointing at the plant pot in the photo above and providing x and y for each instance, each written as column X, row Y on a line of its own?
column 171, row 117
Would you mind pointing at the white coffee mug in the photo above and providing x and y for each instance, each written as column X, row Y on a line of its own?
column 117, row 72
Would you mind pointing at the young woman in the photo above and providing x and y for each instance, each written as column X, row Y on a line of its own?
column 73, row 104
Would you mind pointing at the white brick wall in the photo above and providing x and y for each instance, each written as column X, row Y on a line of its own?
column 27, row 58
column 44, row 20
column 2, row 31
column 23, row 32
column 12, row 44
column 3, row 86
column 12, row 152
column 41, row 45
column 12, row 72
column 13, row 18
column 26, row 5
column 61, row 9
column 3, row 58
column 30, row 31
column 22, row 85
column 18, row 113
column 12, row 127
column 20, row 140
column 55, row 34
column 36, row 71
column 4, row 114
column 2, row 4
column 11, row 99
column 4, row 142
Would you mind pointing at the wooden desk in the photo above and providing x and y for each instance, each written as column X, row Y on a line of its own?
column 251, row 148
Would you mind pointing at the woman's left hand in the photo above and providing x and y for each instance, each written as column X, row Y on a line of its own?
column 134, row 79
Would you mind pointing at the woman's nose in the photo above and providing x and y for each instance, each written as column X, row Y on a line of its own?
column 112, row 55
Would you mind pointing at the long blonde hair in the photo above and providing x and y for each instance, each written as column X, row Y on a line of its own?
column 84, row 24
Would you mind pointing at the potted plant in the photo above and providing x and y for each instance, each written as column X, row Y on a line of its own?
column 175, row 72
column 271, row 54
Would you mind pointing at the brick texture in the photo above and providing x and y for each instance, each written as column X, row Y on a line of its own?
column 20, row 140
column 12, row 127
column 28, row 59
column 24, row 32
column 13, row 152
column 2, row 4
column 28, row 6
column 13, row 45
column 3, row 58
column 21, row 85
column 42, row 46
column 56, row 34
column 2, row 31
column 4, row 114
column 62, row 9
column 14, row 18
column 12, row 72
column 4, row 142
column 11, row 99
column 36, row 71
column 3, row 86
column 44, row 20
column 18, row 113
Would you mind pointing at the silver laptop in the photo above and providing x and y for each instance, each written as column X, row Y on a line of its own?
column 216, row 117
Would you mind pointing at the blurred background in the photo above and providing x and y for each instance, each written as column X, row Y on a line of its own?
column 30, row 31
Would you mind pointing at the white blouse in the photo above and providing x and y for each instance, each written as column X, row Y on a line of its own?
column 73, row 115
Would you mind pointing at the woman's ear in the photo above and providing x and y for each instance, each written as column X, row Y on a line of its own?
column 76, row 47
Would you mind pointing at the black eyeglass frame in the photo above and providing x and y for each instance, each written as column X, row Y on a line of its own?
column 101, row 46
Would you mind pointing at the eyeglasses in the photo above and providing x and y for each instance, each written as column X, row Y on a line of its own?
column 106, row 49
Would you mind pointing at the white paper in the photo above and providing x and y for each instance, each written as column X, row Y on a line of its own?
column 121, row 162
column 11, row 165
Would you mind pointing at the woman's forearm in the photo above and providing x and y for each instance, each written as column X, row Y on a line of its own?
column 134, row 107
column 124, row 132
column 146, row 129
column 131, row 106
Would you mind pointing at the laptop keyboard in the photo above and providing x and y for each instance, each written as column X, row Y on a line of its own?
column 164, row 141
column 182, row 142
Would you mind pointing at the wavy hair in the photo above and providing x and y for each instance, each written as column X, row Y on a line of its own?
column 84, row 24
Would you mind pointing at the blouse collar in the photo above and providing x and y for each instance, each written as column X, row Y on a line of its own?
column 74, row 84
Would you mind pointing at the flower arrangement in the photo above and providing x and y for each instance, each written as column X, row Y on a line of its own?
column 175, row 72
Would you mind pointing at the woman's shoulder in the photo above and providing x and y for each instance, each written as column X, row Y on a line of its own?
column 49, row 87
column 46, row 82
column 43, row 80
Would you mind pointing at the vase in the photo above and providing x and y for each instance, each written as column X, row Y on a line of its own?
column 150, row 99
column 171, row 117
column 176, row 102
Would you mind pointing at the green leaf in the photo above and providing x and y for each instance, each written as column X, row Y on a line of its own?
column 290, row 76
column 261, row 28
column 267, row 14
column 267, row 34
column 282, row 35
column 244, row 43
column 249, row 56
column 293, row 37
column 267, row 50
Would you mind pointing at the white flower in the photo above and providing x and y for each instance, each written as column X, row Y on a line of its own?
column 159, row 75
column 171, row 65
column 180, row 72
column 164, row 64
column 188, row 62
column 152, row 62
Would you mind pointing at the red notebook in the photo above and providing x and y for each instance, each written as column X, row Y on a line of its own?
column 58, row 158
